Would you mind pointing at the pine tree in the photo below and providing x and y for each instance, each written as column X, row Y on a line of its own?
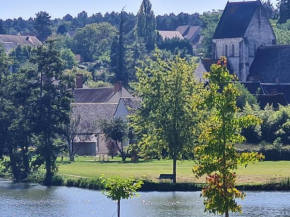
column 42, row 25
column 146, row 24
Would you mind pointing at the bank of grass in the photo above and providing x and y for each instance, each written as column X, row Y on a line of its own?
column 261, row 173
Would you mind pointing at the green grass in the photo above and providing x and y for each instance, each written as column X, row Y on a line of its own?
column 258, row 173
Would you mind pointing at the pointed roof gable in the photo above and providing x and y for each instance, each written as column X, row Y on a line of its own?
column 236, row 19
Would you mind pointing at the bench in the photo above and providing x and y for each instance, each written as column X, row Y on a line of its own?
column 166, row 176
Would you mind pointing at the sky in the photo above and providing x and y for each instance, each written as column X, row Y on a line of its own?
column 59, row 8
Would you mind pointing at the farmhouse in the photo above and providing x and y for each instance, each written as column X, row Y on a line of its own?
column 92, row 105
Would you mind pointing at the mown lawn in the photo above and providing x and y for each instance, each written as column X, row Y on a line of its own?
column 258, row 173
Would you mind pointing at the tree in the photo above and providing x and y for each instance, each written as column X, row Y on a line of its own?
column 68, row 58
column 2, row 29
column 115, row 129
column 216, row 155
column 52, row 107
column 284, row 10
column 146, row 24
column 166, row 120
column 118, row 61
column 61, row 29
column 94, row 40
column 82, row 19
column 269, row 8
column 117, row 188
column 42, row 25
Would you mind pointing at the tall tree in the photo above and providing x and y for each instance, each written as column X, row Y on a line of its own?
column 118, row 61
column 52, row 108
column 216, row 155
column 166, row 120
column 2, row 28
column 42, row 25
column 146, row 24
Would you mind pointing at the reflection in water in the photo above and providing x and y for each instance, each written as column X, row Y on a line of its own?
column 35, row 200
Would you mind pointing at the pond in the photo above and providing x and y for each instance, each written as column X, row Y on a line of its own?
column 35, row 200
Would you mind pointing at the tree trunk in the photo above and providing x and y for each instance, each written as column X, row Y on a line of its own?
column 48, row 153
column 71, row 151
column 13, row 165
column 227, row 213
column 25, row 160
column 174, row 168
column 119, row 208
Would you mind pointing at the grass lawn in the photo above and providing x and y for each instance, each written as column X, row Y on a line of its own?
column 258, row 173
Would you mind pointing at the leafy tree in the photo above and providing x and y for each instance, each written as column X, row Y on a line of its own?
column 82, row 19
column 245, row 96
column 210, row 22
column 146, row 24
column 69, row 58
column 52, row 107
column 61, row 29
column 269, row 8
column 216, row 155
column 166, row 120
column 115, row 129
column 42, row 25
column 94, row 40
column 2, row 28
column 175, row 43
column 118, row 188
column 20, row 56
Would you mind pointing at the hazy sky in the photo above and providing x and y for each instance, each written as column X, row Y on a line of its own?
column 59, row 8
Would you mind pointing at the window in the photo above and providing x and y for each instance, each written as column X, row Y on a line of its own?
column 226, row 50
column 233, row 50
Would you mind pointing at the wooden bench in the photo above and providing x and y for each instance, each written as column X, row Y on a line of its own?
column 166, row 176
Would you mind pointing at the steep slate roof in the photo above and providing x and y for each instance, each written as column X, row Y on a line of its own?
column 170, row 34
column 235, row 19
column 188, row 31
column 90, row 113
column 182, row 29
column 95, row 95
column 271, row 63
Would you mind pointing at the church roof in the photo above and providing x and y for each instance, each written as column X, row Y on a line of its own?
column 272, row 64
column 235, row 19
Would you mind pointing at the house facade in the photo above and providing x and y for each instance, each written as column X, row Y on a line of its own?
column 243, row 28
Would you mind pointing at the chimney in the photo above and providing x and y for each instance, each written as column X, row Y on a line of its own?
column 117, row 86
column 79, row 80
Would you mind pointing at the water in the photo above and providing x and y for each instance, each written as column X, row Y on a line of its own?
column 35, row 200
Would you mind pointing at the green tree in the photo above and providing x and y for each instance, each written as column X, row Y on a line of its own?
column 118, row 56
column 94, row 40
column 42, row 25
column 68, row 58
column 166, row 120
column 118, row 188
column 115, row 129
column 284, row 10
column 146, row 24
column 52, row 107
column 216, row 155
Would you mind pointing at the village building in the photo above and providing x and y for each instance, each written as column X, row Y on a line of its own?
column 10, row 42
column 94, row 104
column 243, row 28
column 191, row 33
column 170, row 35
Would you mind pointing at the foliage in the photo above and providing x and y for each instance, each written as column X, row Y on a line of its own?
column 146, row 24
column 93, row 40
column 20, row 56
column 166, row 120
column 245, row 96
column 42, row 25
column 175, row 43
column 115, row 129
column 216, row 155
column 69, row 58
column 118, row 188
column 210, row 21
column 112, row 150
column 52, row 107
column 284, row 10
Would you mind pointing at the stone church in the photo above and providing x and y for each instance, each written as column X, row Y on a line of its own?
column 243, row 28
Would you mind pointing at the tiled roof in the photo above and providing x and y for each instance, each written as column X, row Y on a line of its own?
column 235, row 19
column 95, row 95
column 132, row 104
column 91, row 113
column 170, row 34
column 271, row 64
column 21, row 40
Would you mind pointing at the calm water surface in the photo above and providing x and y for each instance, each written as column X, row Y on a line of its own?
column 35, row 200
